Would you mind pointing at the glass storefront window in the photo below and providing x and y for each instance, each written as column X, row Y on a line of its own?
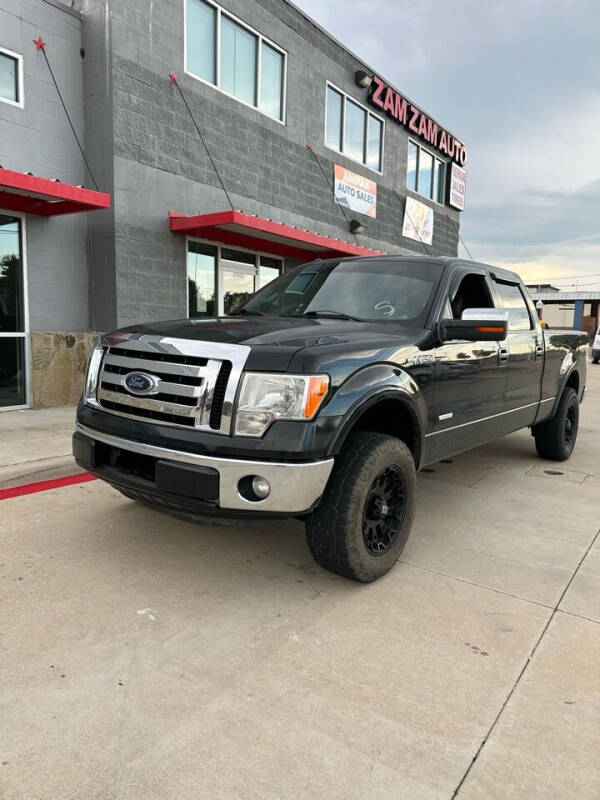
column 12, row 371
column 201, row 26
column 201, row 274
column 240, row 54
column 438, row 181
column 269, row 269
column 234, row 274
column 271, row 81
column 238, row 61
column 11, row 276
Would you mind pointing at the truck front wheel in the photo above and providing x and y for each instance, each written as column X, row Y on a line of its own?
column 555, row 438
column 364, row 519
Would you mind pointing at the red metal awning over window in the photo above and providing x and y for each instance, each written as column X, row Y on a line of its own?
column 32, row 195
column 235, row 228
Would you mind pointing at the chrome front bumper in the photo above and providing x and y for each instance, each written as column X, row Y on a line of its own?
column 295, row 488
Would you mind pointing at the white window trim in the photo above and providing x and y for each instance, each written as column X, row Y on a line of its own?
column 416, row 192
column 346, row 96
column 21, row 87
column 218, row 247
column 22, row 334
column 217, row 84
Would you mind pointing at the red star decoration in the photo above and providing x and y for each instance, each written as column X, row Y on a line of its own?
column 173, row 77
column 39, row 43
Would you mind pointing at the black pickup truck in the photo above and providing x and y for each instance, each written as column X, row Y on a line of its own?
column 323, row 395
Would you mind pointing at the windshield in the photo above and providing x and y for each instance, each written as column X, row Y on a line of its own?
column 375, row 289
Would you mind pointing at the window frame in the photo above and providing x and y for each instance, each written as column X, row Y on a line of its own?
column 20, row 103
column 219, row 246
column 436, row 158
column 25, row 333
column 345, row 98
column 258, row 77
column 497, row 280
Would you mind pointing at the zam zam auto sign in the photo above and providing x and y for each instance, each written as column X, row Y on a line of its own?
column 416, row 121
column 355, row 192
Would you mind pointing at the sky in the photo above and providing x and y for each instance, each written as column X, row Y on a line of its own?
column 519, row 84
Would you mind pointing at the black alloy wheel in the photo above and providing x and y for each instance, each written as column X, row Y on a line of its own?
column 571, row 423
column 384, row 511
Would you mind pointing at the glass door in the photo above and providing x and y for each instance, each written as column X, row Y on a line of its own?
column 13, row 333
column 237, row 271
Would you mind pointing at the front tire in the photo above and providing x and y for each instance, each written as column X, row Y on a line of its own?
column 555, row 438
column 365, row 517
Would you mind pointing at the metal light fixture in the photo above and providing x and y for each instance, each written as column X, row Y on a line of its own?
column 363, row 78
column 357, row 227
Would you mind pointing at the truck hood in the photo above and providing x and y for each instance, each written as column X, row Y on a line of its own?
column 279, row 331
column 275, row 340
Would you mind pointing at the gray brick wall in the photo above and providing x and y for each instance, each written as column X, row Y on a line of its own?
column 160, row 164
column 37, row 139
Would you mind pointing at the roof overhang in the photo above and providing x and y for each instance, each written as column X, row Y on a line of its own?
column 32, row 195
column 235, row 228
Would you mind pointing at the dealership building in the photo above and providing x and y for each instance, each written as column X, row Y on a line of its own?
column 162, row 160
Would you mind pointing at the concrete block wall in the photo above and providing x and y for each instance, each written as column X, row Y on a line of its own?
column 160, row 164
column 37, row 138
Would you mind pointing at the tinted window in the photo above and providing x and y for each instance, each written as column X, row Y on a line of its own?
column 201, row 25
column 271, row 82
column 370, row 289
column 9, row 78
column 238, row 61
column 333, row 132
column 512, row 299
column 201, row 263
column 354, row 134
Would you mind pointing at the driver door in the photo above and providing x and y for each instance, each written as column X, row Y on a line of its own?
column 470, row 378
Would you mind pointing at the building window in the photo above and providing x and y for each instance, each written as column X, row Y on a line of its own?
column 11, row 78
column 425, row 173
column 228, row 54
column 220, row 278
column 353, row 130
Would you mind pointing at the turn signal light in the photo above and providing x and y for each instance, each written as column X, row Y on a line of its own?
column 489, row 329
column 317, row 389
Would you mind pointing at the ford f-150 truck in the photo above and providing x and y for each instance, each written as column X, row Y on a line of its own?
column 323, row 395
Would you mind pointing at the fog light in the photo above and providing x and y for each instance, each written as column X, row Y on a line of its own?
column 260, row 487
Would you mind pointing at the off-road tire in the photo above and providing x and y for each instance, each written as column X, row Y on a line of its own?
column 334, row 531
column 595, row 360
column 555, row 438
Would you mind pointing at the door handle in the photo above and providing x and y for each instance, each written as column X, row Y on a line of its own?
column 539, row 348
column 503, row 355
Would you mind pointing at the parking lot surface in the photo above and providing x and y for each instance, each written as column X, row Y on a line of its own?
column 144, row 658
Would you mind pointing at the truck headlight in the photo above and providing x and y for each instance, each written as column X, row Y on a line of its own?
column 90, row 386
column 265, row 397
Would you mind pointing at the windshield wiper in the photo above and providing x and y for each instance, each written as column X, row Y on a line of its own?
column 326, row 312
column 249, row 311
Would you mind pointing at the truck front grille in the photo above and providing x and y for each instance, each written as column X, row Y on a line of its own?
column 191, row 390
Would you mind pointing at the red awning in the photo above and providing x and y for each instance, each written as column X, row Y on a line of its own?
column 257, row 233
column 33, row 195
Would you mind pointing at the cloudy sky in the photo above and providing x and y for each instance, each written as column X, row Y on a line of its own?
column 519, row 82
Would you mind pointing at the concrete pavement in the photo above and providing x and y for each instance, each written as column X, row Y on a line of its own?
column 144, row 658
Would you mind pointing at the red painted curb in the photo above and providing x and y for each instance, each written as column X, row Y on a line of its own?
column 43, row 486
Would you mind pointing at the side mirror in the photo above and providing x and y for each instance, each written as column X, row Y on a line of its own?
column 476, row 325
column 234, row 310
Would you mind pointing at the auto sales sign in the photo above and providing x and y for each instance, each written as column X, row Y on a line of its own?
column 355, row 192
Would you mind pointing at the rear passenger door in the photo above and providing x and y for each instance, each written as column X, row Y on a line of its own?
column 524, row 349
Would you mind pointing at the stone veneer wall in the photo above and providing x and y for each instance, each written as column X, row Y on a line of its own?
column 58, row 362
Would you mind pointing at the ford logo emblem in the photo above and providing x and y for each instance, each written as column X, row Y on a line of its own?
column 140, row 383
